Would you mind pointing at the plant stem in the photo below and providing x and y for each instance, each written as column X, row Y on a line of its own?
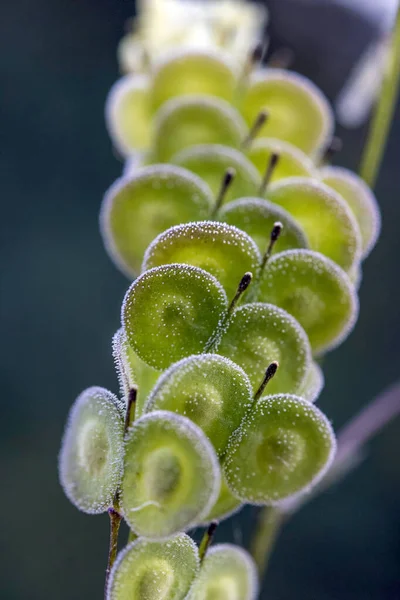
column 207, row 539
column 115, row 522
column 384, row 111
column 268, row 524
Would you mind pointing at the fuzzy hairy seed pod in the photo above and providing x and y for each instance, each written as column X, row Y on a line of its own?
column 313, row 383
column 224, row 251
column 184, row 121
column 283, row 447
column 132, row 371
column 298, row 111
column 171, row 312
column 211, row 161
column 259, row 334
column 292, row 161
column 128, row 114
column 227, row 573
column 138, row 207
column 91, row 456
column 210, row 390
column 147, row 570
column 171, row 475
column 313, row 289
column 326, row 219
column 257, row 217
column 361, row 201
column 192, row 72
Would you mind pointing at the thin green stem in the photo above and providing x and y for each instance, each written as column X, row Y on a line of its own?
column 384, row 111
column 207, row 539
column 268, row 525
column 115, row 522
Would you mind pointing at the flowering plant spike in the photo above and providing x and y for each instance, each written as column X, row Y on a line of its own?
column 242, row 247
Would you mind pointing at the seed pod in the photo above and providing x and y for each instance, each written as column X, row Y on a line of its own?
column 257, row 217
column 283, row 447
column 132, row 371
column 327, row 221
column 184, row 121
column 226, row 505
column 91, row 456
column 227, row 572
column 208, row 389
column 313, row 383
column 128, row 114
column 222, row 250
column 315, row 291
column 211, row 161
column 259, row 334
column 171, row 475
column 147, row 570
column 297, row 110
column 171, row 312
column 137, row 208
column 361, row 201
column 192, row 72
column 292, row 161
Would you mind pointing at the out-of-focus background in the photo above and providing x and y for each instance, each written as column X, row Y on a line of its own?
column 61, row 296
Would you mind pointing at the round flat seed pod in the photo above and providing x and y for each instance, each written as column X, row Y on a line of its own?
column 91, row 456
column 222, row 250
column 189, row 120
column 171, row 312
column 257, row 217
column 132, row 371
column 327, row 221
column 361, row 201
column 192, row 72
column 283, row 447
column 258, row 334
column 211, row 161
column 137, row 208
column 128, row 114
column 315, row 291
column 226, row 505
column 171, row 475
column 297, row 110
column 208, row 389
column 292, row 161
column 313, row 383
column 227, row 573
column 147, row 570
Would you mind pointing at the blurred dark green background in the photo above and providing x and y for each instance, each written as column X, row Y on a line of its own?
column 60, row 305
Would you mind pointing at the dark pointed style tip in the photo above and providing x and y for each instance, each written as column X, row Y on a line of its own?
column 245, row 282
column 272, row 369
column 259, row 52
column 276, row 231
column 212, row 527
column 274, row 159
column 229, row 176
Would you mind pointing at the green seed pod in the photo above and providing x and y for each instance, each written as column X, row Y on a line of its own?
column 137, row 208
column 227, row 573
column 171, row 312
column 222, row 250
column 292, row 161
column 211, row 161
column 128, row 114
column 283, row 448
column 328, row 223
column 356, row 275
column 313, row 383
column 188, row 120
column 297, row 110
column 147, row 570
column 171, row 476
column 91, row 456
column 192, row 72
column 257, row 217
column 208, row 389
column 315, row 291
column 132, row 371
column 258, row 334
column 361, row 201
column 226, row 505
